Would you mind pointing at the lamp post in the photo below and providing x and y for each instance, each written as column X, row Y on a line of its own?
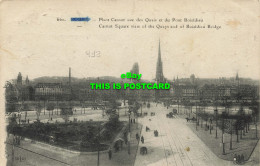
column 256, row 128
column 196, row 117
column 223, row 143
column 231, row 130
column 224, row 115
column 129, row 133
column 210, row 125
column 142, row 109
column 137, row 117
column 216, row 114
column 98, row 144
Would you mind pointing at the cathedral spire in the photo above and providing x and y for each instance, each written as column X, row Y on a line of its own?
column 159, row 54
column 159, row 67
column 237, row 77
column 19, row 79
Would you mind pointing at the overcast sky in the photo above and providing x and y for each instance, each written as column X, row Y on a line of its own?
column 35, row 43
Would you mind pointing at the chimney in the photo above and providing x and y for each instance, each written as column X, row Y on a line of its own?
column 70, row 76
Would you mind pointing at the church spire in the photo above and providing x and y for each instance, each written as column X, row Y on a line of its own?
column 27, row 80
column 237, row 77
column 159, row 67
column 19, row 79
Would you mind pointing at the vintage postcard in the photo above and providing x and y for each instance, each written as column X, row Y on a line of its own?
column 129, row 83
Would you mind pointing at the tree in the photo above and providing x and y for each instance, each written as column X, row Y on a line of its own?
column 50, row 107
column 88, row 137
column 12, row 124
column 255, row 113
column 148, row 105
column 113, row 121
column 38, row 110
column 239, row 126
column 224, row 116
column 66, row 112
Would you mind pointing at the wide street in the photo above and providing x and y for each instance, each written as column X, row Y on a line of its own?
column 175, row 145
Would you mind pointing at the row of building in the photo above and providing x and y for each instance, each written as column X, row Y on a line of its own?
column 82, row 91
column 192, row 88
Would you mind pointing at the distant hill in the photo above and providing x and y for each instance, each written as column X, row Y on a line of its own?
column 65, row 80
column 53, row 79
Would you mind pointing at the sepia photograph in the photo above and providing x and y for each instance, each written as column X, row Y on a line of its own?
column 129, row 83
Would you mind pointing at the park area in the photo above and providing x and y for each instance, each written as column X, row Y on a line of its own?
column 88, row 136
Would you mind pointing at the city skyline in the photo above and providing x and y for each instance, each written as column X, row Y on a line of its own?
column 119, row 77
column 41, row 44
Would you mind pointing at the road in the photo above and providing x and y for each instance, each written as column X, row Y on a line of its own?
column 176, row 144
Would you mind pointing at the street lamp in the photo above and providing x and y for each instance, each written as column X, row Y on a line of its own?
column 129, row 113
column 216, row 114
column 224, row 115
column 196, row 117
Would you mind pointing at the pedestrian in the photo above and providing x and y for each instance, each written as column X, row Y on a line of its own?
column 235, row 158
column 137, row 136
column 242, row 159
column 121, row 145
column 28, row 121
column 18, row 140
column 134, row 120
column 125, row 137
column 238, row 159
column 142, row 139
column 110, row 153
column 51, row 118
column 131, row 120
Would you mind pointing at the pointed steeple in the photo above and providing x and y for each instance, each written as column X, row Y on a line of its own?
column 237, row 78
column 27, row 80
column 159, row 53
column 19, row 79
column 159, row 67
column 70, row 76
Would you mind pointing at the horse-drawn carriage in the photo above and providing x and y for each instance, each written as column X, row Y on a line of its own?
column 143, row 150
column 156, row 133
column 147, row 129
column 190, row 119
column 169, row 115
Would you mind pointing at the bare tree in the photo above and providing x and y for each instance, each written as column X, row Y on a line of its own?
column 66, row 111
column 38, row 110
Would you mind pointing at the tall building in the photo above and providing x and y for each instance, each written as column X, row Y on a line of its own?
column 69, row 76
column 159, row 67
column 159, row 76
column 27, row 81
column 19, row 79
column 48, row 91
column 237, row 80
column 135, row 69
